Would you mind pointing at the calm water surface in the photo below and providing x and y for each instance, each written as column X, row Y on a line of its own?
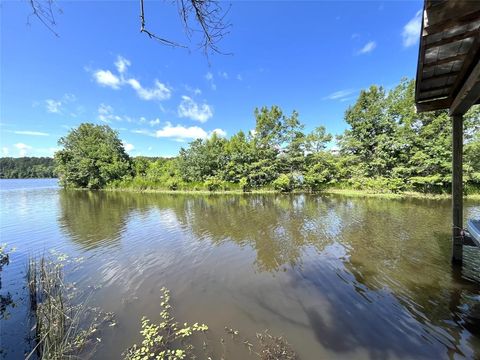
column 339, row 277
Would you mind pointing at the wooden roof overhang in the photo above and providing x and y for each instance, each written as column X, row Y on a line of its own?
column 448, row 71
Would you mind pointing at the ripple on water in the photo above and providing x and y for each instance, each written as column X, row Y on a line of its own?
column 339, row 277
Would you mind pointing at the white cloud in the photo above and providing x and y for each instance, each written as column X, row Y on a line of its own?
column 154, row 122
column 194, row 91
column 53, row 106
column 128, row 147
column 219, row 132
column 106, row 114
column 104, row 109
column 369, row 47
column 239, row 77
column 347, row 98
column 107, row 78
column 115, row 81
column 188, row 108
column 69, row 97
column 58, row 106
column 22, row 149
column 5, row 151
column 144, row 132
column 122, row 64
column 411, row 30
column 32, row 133
column 158, row 92
column 339, row 95
column 181, row 132
column 223, row 74
column 211, row 81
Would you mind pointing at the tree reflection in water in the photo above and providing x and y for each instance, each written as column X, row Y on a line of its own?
column 371, row 258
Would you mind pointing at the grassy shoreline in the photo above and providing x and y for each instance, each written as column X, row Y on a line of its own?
column 328, row 191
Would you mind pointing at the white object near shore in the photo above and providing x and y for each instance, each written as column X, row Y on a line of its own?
column 473, row 227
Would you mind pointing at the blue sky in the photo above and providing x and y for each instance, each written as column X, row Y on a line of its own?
column 313, row 57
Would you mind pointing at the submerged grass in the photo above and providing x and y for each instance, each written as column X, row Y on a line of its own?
column 326, row 191
column 6, row 299
column 169, row 340
column 400, row 195
column 61, row 329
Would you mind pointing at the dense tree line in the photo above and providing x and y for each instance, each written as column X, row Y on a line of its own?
column 27, row 167
column 388, row 147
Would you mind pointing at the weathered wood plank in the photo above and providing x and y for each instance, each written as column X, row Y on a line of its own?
column 432, row 105
column 471, row 60
column 444, row 61
column 468, row 94
column 451, row 39
column 421, row 59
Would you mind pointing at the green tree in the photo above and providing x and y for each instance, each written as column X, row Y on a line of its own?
column 283, row 183
column 91, row 157
column 317, row 140
column 204, row 158
column 240, row 152
column 371, row 134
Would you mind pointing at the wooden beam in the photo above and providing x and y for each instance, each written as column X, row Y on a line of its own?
column 421, row 59
column 457, row 189
column 441, row 77
column 468, row 94
column 434, row 98
column 433, row 105
column 444, row 61
column 468, row 67
column 454, row 13
column 433, row 88
column 451, row 39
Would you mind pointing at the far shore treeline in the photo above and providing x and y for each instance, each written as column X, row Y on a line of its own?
column 387, row 147
column 27, row 167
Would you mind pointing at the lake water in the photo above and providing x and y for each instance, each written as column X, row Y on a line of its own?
column 339, row 277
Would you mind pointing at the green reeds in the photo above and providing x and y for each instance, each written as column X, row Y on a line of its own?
column 61, row 328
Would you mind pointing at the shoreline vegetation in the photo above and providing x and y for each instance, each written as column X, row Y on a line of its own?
column 387, row 150
column 326, row 192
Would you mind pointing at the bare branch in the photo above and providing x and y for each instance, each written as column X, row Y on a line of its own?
column 203, row 17
column 210, row 15
column 152, row 35
column 43, row 11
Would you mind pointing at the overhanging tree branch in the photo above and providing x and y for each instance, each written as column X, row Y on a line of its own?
column 207, row 18
column 150, row 34
column 43, row 11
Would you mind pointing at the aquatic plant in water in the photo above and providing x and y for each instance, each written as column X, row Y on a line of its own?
column 167, row 340
column 171, row 341
column 62, row 328
column 6, row 300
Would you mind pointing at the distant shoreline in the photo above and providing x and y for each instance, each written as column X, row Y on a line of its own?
column 328, row 191
column 343, row 192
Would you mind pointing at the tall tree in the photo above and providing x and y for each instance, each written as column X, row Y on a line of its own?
column 92, row 156
column 371, row 132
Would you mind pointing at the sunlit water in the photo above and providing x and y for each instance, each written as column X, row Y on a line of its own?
column 339, row 277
